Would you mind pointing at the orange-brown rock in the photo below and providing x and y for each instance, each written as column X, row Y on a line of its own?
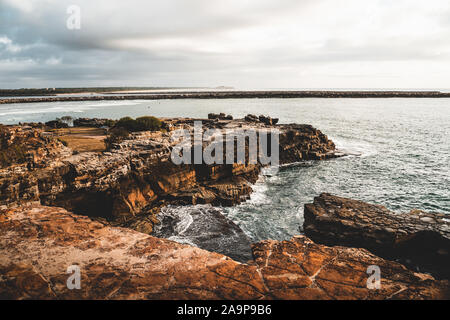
column 136, row 177
column 29, row 147
column 39, row 243
column 138, row 173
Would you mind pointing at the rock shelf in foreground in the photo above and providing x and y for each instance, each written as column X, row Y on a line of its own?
column 38, row 243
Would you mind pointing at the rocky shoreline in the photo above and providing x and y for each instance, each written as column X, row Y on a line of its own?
column 417, row 239
column 137, row 173
column 38, row 243
column 237, row 95
column 102, row 211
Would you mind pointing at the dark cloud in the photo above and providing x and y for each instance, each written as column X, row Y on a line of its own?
column 207, row 43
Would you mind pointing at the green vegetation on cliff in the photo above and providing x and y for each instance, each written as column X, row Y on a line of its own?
column 147, row 123
column 124, row 126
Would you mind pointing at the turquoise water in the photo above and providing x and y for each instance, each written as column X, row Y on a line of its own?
column 405, row 147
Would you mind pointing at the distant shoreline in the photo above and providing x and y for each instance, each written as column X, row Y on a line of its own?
column 234, row 95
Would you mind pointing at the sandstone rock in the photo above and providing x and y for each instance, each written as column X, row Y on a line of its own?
column 39, row 243
column 301, row 269
column 138, row 172
column 25, row 147
column 128, row 184
column 420, row 240
column 56, row 124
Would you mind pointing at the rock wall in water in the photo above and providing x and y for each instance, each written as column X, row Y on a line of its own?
column 418, row 239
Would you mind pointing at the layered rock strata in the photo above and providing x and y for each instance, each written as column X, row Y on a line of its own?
column 137, row 175
column 39, row 243
column 418, row 239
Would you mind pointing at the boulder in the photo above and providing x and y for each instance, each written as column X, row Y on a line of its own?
column 251, row 118
column 418, row 239
column 220, row 116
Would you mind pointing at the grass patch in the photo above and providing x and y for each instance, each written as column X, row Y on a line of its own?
column 82, row 139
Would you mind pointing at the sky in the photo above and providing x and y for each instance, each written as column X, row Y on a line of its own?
column 240, row 43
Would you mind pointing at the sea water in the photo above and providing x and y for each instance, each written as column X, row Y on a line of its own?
column 402, row 149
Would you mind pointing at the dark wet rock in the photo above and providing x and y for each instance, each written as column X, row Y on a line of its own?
column 251, row 118
column 418, row 239
column 262, row 118
column 56, row 124
column 220, row 116
column 93, row 122
column 303, row 142
column 268, row 120
column 205, row 227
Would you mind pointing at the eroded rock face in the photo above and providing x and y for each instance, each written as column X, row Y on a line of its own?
column 301, row 269
column 28, row 147
column 38, row 244
column 138, row 174
column 418, row 239
column 23, row 150
column 131, row 182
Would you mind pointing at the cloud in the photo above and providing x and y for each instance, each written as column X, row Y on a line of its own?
column 287, row 43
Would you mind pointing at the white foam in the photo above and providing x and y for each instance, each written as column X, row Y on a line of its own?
column 182, row 240
column 112, row 104
column 182, row 215
column 259, row 194
column 354, row 147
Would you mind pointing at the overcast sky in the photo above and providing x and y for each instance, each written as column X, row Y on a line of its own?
column 239, row 43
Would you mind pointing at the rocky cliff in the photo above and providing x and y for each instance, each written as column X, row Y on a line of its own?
column 137, row 176
column 418, row 239
column 39, row 243
column 96, row 210
column 129, row 184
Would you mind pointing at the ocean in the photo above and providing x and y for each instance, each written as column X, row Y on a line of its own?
column 401, row 147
